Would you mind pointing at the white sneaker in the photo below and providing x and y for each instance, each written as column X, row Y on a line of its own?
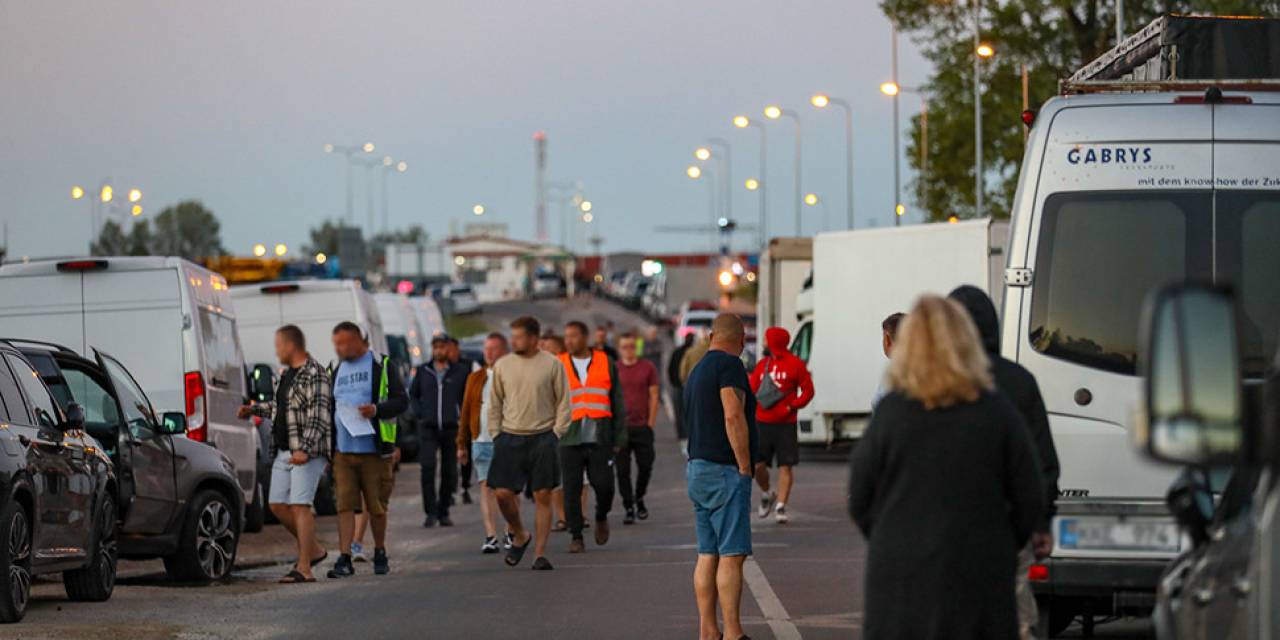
column 357, row 553
column 766, row 504
column 780, row 514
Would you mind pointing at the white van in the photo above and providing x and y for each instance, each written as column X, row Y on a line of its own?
column 428, row 314
column 1121, row 192
column 315, row 306
column 408, row 343
column 169, row 321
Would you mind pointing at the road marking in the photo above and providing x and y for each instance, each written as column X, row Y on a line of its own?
column 774, row 613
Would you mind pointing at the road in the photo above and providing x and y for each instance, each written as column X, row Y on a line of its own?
column 804, row 581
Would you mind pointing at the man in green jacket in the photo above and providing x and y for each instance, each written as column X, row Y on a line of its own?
column 597, row 432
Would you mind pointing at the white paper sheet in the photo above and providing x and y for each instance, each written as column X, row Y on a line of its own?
column 351, row 420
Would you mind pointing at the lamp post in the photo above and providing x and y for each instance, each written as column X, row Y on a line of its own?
column 349, row 152
column 742, row 122
column 812, row 200
column 980, row 52
column 773, row 112
column 726, row 178
column 821, row 101
column 696, row 172
column 897, row 132
column 892, row 89
column 389, row 166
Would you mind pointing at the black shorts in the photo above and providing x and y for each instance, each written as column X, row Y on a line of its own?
column 525, row 460
column 780, row 441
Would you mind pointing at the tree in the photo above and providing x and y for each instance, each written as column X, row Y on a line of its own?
column 111, row 241
column 1052, row 38
column 187, row 229
column 324, row 239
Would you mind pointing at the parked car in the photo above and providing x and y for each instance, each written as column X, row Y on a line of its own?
column 458, row 299
column 694, row 320
column 315, row 306
column 170, row 321
column 57, row 494
column 177, row 498
column 428, row 314
column 548, row 284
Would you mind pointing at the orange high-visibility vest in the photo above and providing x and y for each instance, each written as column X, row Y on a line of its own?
column 589, row 399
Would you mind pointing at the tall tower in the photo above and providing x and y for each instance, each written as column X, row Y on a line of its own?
column 540, row 162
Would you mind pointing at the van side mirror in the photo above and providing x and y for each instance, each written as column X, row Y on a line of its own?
column 1191, row 372
column 74, row 417
column 262, row 382
column 173, row 423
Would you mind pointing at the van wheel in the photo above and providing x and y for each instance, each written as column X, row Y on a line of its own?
column 255, row 515
column 210, row 538
column 96, row 581
column 15, row 561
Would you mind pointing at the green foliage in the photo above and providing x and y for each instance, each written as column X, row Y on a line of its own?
column 187, row 229
column 1051, row 37
column 324, row 239
column 111, row 241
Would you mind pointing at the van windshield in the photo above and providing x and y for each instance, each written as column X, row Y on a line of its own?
column 1101, row 254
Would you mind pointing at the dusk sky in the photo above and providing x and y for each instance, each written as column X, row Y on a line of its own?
column 231, row 103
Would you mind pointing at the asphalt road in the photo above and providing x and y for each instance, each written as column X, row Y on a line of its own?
column 804, row 581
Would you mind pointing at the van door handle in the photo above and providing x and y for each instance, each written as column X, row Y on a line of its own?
column 219, row 382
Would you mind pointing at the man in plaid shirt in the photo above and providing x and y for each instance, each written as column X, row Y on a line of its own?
column 301, row 433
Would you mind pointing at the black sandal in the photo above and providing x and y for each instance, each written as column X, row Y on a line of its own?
column 516, row 552
column 293, row 577
column 316, row 561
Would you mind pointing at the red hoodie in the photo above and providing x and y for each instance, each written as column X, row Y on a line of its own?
column 789, row 373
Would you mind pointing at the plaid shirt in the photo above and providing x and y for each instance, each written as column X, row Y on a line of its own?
column 310, row 411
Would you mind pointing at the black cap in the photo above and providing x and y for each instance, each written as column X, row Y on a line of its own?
column 441, row 337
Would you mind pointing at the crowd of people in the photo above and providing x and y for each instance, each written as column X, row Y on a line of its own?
column 953, row 482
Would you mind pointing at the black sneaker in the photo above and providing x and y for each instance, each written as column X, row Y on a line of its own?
column 507, row 540
column 466, row 496
column 542, row 564
column 343, row 567
column 630, row 518
column 490, row 545
column 641, row 511
column 429, row 522
column 380, row 565
column 445, row 521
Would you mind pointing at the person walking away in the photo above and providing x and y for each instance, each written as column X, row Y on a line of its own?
column 474, row 443
column 792, row 390
column 528, row 413
column 464, row 470
column 597, row 432
column 888, row 335
column 693, row 355
column 368, row 395
column 1020, row 387
column 639, row 381
column 722, row 445
column 301, row 426
column 945, row 486
column 677, row 389
column 435, row 396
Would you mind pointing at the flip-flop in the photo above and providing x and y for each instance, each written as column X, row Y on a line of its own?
column 560, row 526
column 316, row 561
column 293, row 577
column 516, row 552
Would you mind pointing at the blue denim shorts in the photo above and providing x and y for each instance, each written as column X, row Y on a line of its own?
column 481, row 457
column 722, row 506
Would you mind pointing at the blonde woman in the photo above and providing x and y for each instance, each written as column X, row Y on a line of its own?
column 945, row 486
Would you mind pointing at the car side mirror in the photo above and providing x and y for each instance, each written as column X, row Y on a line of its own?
column 173, row 423
column 74, row 417
column 262, row 382
column 1191, row 371
column 1190, row 500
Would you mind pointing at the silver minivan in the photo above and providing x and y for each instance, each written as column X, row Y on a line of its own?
column 168, row 320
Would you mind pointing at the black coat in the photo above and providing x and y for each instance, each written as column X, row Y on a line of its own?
column 436, row 396
column 945, row 498
column 1020, row 386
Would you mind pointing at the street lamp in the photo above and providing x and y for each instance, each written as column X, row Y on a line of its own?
column 369, row 165
column 893, row 89
column 702, row 153
column 821, row 101
column 135, row 195
column 726, row 164
column 812, row 200
column 478, row 210
column 259, row 250
column 773, row 112
column 742, row 122
column 984, row 50
column 587, row 218
column 106, row 194
column 321, row 258
column 586, row 205
column 752, row 184
column 281, row 249
column 389, row 166
column 77, row 192
column 349, row 151
column 695, row 173
column 136, row 210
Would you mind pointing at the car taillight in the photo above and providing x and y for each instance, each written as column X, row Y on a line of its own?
column 1038, row 573
column 193, row 386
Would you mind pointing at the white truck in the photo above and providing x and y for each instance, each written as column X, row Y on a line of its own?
column 860, row 278
column 784, row 267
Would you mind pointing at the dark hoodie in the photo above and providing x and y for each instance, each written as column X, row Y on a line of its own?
column 1020, row 387
column 789, row 373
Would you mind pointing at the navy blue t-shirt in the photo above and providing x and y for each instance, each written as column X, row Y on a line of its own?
column 708, row 439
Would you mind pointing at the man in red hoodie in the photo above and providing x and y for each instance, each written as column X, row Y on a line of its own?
column 777, row 421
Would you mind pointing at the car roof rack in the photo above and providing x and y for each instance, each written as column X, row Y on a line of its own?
column 1177, row 53
column 52, row 346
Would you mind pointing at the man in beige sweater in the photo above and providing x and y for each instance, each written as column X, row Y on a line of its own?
column 528, row 413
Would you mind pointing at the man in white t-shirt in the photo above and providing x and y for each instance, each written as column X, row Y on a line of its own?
column 475, row 444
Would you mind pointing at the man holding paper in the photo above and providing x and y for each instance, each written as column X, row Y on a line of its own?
column 368, row 395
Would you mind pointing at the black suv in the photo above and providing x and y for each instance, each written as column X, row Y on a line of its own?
column 178, row 498
column 57, row 494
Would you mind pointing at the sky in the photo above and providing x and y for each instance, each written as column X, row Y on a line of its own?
column 232, row 102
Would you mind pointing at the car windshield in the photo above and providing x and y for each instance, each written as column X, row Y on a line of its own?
column 1092, row 279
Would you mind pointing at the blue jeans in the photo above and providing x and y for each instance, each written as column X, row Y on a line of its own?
column 481, row 458
column 722, row 507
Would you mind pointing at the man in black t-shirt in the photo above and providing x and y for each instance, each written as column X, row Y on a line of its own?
column 721, row 410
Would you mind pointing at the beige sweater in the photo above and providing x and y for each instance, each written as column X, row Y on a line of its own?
column 530, row 395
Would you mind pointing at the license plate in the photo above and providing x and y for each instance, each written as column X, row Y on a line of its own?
column 1115, row 534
